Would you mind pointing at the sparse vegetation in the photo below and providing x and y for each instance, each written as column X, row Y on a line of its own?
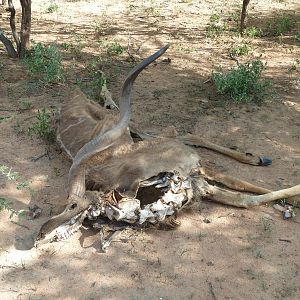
column 251, row 274
column 253, row 32
column 5, row 118
column 52, row 7
column 295, row 66
column 103, row 26
column 258, row 254
column 235, row 16
column 240, row 49
column 42, row 127
column 20, row 185
column 243, row 83
column 98, row 80
column 26, row 105
column 267, row 227
column 281, row 25
column 7, row 205
column 114, row 49
column 45, row 62
column 74, row 47
column 216, row 26
column 18, row 129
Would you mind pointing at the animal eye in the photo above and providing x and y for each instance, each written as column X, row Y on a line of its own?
column 74, row 205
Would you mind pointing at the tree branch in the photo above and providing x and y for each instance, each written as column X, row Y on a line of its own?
column 8, row 45
column 12, row 11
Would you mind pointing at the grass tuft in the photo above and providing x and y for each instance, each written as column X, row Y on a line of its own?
column 42, row 127
column 281, row 25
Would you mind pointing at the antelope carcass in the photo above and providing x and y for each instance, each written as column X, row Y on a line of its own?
column 124, row 175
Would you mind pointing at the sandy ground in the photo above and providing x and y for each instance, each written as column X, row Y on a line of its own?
column 241, row 254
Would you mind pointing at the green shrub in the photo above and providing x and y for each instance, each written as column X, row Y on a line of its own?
column 26, row 105
column 52, row 7
column 240, row 49
column 45, row 61
column 114, row 49
column 42, row 127
column 243, row 83
column 97, row 79
column 7, row 205
column 281, row 25
column 252, row 31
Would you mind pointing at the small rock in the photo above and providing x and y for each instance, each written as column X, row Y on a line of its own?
column 207, row 220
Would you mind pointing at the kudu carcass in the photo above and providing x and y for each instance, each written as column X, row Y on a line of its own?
column 141, row 182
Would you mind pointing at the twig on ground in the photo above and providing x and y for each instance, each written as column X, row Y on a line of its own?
column 234, row 58
column 211, row 289
column 208, row 80
column 21, row 225
column 284, row 240
column 36, row 158
column 18, row 110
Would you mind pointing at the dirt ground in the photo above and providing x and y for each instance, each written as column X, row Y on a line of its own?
column 240, row 254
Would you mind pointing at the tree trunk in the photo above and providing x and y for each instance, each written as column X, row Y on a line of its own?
column 25, row 27
column 243, row 15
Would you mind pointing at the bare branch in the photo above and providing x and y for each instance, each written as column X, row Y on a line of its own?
column 8, row 45
column 12, row 22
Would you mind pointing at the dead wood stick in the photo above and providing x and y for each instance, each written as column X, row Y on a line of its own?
column 17, row 110
column 284, row 240
column 21, row 225
column 211, row 289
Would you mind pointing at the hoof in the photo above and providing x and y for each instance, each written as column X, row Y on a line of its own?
column 265, row 161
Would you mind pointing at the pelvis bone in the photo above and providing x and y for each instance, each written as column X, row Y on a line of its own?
column 122, row 174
